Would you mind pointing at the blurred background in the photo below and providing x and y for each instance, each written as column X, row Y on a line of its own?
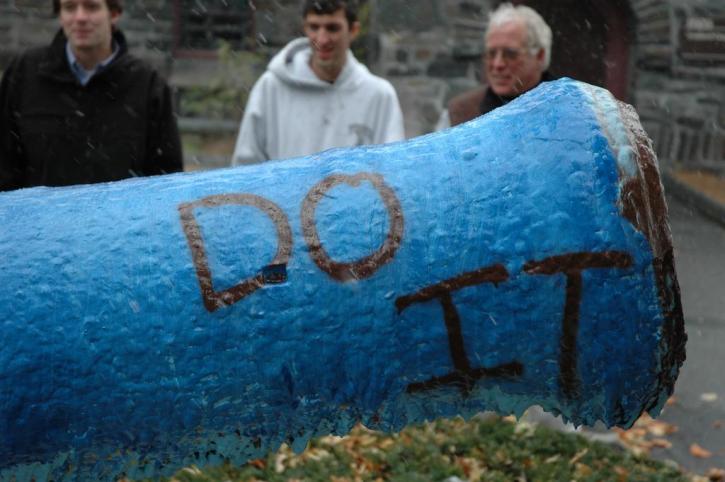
column 665, row 57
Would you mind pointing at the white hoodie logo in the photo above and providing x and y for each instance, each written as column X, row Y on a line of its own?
column 363, row 133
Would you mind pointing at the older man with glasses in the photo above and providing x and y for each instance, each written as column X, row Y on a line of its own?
column 517, row 56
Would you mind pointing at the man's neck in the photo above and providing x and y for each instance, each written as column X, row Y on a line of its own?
column 89, row 59
column 326, row 73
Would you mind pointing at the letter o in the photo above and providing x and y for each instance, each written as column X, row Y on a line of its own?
column 364, row 267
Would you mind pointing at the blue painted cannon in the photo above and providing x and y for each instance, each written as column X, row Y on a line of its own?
column 522, row 258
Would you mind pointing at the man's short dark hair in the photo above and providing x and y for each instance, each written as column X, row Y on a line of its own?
column 113, row 5
column 328, row 7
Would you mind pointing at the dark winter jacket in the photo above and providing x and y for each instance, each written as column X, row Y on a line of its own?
column 56, row 132
column 477, row 102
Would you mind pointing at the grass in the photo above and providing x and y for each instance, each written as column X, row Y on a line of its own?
column 482, row 449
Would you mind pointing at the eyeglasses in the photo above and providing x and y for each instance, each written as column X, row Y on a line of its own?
column 507, row 54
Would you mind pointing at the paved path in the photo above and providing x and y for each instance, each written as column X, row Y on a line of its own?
column 699, row 408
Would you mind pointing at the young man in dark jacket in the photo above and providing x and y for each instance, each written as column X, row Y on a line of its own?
column 83, row 110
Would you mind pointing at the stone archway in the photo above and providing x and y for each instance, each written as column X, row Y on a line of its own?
column 592, row 40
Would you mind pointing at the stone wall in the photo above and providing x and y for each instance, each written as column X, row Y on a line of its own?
column 430, row 50
column 680, row 80
column 148, row 25
column 23, row 24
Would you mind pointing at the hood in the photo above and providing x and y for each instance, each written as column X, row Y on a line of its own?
column 292, row 65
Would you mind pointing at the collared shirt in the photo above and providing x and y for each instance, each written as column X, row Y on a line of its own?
column 84, row 76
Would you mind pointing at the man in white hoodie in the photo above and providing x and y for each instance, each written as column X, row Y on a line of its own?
column 315, row 95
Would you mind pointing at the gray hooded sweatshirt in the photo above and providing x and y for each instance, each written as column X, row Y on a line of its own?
column 291, row 112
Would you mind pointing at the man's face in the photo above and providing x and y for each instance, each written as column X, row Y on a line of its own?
column 88, row 24
column 511, row 68
column 330, row 36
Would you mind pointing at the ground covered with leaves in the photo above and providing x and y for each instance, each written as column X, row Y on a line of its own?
column 482, row 449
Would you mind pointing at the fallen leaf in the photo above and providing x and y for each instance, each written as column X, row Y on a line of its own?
column 192, row 469
column 718, row 424
column 315, row 454
column 633, row 433
column 661, row 443
column 660, row 429
column 634, row 441
column 552, row 459
column 643, row 420
column 582, row 471
column 578, row 456
column 471, row 467
column 716, row 475
column 708, row 397
column 279, row 461
column 362, row 466
column 699, row 452
column 622, row 473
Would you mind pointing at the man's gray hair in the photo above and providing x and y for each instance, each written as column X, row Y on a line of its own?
column 538, row 33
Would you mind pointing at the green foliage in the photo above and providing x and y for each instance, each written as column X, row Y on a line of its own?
column 212, row 102
column 225, row 94
column 478, row 450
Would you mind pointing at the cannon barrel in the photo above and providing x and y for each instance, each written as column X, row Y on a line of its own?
column 522, row 258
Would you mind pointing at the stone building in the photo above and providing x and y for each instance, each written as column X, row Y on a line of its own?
column 667, row 57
